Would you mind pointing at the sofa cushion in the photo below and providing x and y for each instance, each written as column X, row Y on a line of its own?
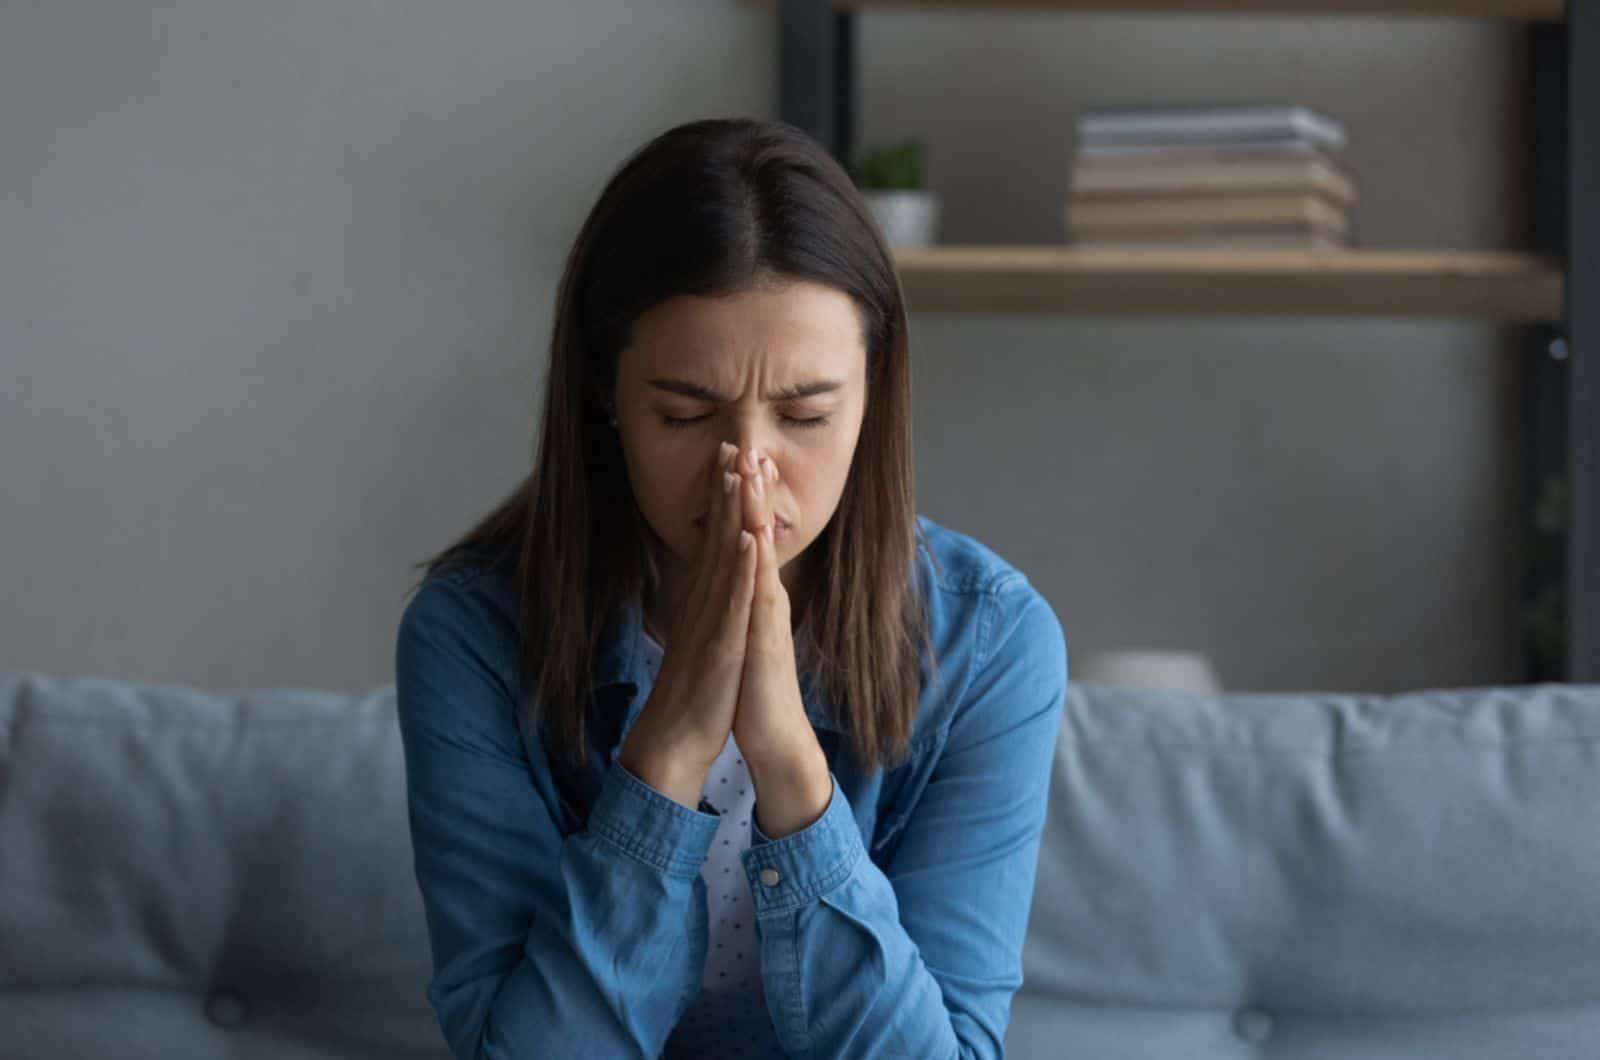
column 1319, row 875
column 184, row 874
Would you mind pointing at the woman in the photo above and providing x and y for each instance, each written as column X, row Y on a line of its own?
column 714, row 747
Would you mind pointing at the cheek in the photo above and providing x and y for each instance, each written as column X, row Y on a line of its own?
column 816, row 480
column 661, row 488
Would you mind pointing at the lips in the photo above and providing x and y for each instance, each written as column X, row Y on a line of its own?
column 779, row 525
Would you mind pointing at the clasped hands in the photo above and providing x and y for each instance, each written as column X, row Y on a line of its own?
column 729, row 666
column 770, row 723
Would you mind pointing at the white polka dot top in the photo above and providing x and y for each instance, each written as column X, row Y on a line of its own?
column 733, row 959
column 728, row 1017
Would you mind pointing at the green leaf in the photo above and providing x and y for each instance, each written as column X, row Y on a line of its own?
column 892, row 167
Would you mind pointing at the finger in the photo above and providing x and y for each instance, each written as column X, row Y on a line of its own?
column 723, row 578
column 769, row 479
column 758, row 502
column 758, row 619
column 744, row 584
column 714, row 536
column 769, row 586
column 725, row 496
column 752, row 505
column 729, row 512
column 772, row 571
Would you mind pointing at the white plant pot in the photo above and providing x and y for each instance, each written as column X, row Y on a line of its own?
column 908, row 218
column 1173, row 670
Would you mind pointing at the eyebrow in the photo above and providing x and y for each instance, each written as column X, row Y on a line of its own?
column 788, row 393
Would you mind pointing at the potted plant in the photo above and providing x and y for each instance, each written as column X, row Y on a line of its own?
column 893, row 182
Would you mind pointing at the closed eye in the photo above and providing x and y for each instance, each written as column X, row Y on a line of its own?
column 793, row 421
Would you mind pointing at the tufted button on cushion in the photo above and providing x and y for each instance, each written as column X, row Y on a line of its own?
column 1252, row 1024
column 227, row 1008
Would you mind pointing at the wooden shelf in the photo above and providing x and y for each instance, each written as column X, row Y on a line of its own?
column 1500, row 285
column 1508, row 10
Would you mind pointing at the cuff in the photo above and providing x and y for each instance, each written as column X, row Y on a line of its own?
column 787, row 873
column 649, row 826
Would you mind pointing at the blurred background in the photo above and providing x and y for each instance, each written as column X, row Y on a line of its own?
column 276, row 286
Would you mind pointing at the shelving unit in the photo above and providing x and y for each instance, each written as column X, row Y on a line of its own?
column 1520, row 10
column 1553, row 288
column 1501, row 285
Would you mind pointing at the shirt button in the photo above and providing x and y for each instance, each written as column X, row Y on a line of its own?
column 769, row 877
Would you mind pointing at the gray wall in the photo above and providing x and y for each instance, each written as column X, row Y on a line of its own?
column 276, row 286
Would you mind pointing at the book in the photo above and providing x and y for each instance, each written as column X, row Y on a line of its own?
column 1135, row 157
column 1112, row 180
column 1198, row 212
column 1216, row 149
column 1154, row 123
column 1269, row 238
column 1287, row 147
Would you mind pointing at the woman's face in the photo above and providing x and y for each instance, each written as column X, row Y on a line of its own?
column 783, row 370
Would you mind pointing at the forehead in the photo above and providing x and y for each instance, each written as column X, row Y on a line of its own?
column 801, row 327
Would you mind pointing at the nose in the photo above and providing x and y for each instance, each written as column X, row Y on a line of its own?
column 751, row 436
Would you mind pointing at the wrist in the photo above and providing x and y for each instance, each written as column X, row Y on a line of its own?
column 672, row 775
column 791, row 795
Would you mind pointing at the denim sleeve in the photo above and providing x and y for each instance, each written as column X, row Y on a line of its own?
column 590, row 945
column 921, row 958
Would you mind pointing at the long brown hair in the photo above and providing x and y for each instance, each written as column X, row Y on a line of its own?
column 715, row 207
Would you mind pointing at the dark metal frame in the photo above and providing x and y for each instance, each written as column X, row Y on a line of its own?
column 817, row 72
column 1582, row 313
column 817, row 93
column 1543, row 617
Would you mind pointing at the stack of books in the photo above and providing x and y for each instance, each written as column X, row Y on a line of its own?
column 1209, row 176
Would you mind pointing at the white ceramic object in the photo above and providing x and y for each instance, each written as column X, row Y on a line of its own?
column 1177, row 671
column 908, row 218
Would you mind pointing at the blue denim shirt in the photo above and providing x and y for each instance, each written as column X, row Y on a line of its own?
column 568, row 917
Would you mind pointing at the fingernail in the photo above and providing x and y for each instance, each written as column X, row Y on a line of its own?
column 769, row 468
column 766, row 531
column 760, row 489
column 745, row 540
column 730, row 482
column 727, row 453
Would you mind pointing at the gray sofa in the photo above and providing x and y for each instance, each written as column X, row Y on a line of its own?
column 184, row 874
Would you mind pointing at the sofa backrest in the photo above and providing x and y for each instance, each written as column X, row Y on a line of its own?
column 1319, row 875
column 185, row 873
